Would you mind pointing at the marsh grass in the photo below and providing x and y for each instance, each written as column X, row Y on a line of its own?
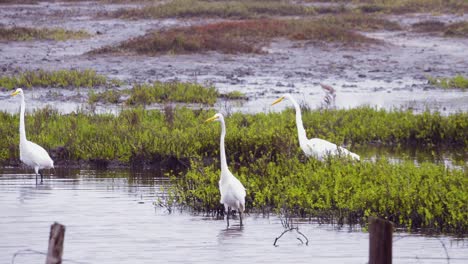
column 457, row 82
column 58, row 79
column 340, row 191
column 250, row 36
column 28, row 34
column 222, row 9
column 160, row 92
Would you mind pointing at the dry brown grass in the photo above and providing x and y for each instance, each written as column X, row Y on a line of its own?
column 247, row 36
column 250, row 36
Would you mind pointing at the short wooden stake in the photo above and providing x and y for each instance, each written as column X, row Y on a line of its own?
column 56, row 237
column 380, row 241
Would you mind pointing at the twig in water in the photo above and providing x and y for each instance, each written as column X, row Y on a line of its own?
column 289, row 227
column 445, row 248
column 32, row 252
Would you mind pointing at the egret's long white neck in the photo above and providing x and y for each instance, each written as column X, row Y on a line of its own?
column 22, row 129
column 300, row 127
column 221, row 145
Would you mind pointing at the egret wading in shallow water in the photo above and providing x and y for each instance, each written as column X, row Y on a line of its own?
column 315, row 147
column 31, row 153
column 231, row 189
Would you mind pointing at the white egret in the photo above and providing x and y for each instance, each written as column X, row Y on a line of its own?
column 31, row 153
column 231, row 189
column 315, row 147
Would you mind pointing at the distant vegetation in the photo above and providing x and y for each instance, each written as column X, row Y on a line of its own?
column 458, row 29
column 224, row 9
column 250, row 36
column 458, row 82
column 58, row 79
column 411, row 6
column 27, row 34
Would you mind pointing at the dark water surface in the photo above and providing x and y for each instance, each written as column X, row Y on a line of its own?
column 110, row 218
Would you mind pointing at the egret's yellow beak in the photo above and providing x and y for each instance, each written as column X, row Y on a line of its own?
column 15, row 93
column 211, row 119
column 278, row 100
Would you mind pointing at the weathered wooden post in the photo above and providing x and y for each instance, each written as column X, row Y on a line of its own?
column 380, row 241
column 56, row 237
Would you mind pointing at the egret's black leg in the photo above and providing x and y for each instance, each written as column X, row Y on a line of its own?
column 40, row 172
column 240, row 217
column 227, row 216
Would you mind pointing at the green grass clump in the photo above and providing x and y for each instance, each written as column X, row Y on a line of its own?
column 247, row 36
column 457, row 82
column 222, row 9
column 28, row 34
column 109, row 96
column 58, row 79
column 424, row 196
column 161, row 92
column 234, row 95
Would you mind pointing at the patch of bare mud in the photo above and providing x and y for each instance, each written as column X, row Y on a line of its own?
column 390, row 75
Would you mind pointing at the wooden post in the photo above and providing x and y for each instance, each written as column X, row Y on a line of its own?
column 380, row 241
column 56, row 237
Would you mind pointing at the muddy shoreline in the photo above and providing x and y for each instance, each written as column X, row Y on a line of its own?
column 391, row 75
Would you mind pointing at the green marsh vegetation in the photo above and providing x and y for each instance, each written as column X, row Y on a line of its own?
column 263, row 152
column 28, row 34
column 457, row 82
column 57, row 79
column 250, row 36
column 341, row 191
column 138, row 134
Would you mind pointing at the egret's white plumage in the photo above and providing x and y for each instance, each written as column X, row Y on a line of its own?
column 315, row 147
column 231, row 189
column 31, row 153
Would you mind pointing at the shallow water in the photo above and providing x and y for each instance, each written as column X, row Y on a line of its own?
column 110, row 218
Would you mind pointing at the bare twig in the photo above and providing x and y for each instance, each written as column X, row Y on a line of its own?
column 289, row 227
column 35, row 252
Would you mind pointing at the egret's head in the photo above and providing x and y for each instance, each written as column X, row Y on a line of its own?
column 216, row 117
column 18, row 91
column 285, row 96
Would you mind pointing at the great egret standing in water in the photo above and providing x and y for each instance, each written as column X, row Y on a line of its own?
column 231, row 189
column 315, row 147
column 31, row 153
